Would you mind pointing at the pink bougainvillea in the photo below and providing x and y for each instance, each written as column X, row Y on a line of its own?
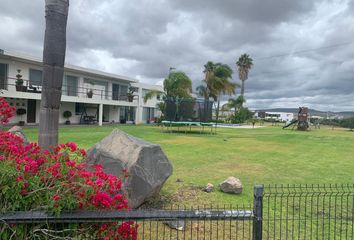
column 57, row 180
column 6, row 111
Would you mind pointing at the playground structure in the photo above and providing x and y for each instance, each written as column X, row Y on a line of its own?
column 302, row 120
column 186, row 113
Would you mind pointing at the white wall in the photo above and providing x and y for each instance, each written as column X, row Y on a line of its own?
column 67, row 106
column 113, row 109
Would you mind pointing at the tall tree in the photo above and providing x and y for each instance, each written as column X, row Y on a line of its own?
column 244, row 65
column 176, row 85
column 217, row 82
column 56, row 15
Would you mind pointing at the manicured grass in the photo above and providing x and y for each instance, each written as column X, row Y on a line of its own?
column 265, row 156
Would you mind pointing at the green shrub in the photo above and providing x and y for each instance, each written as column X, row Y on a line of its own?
column 67, row 114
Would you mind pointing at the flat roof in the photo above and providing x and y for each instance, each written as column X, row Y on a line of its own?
column 68, row 67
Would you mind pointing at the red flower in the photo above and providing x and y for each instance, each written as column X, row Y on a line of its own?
column 56, row 197
column 62, row 176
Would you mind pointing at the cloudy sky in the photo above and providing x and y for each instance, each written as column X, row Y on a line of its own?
column 303, row 50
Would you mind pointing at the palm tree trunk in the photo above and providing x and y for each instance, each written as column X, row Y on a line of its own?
column 242, row 88
column 56, row 14
column 217, row 110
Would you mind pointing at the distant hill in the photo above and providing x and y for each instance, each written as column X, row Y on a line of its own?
column 312, row 112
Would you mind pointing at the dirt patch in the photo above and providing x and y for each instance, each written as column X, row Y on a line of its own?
column 184, row 194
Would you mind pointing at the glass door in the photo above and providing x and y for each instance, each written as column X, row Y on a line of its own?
column 3, row 76
column 115, row 91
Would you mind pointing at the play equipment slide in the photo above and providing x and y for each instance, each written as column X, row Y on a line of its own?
column 291, row 123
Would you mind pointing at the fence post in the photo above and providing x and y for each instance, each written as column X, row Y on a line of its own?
column 257, row 212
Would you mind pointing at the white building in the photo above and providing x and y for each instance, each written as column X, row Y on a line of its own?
column 109, row 101
column 276, row 116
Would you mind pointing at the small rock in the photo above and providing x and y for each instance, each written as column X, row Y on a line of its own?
column 209, row 188
column 231, row 185
column 17, row 130
column 179, row 225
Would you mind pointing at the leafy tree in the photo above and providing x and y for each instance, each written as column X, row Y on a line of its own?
column 176, row 85
column 56, row 14
column 244, row 64
column 348, row 123
column 161, row 107
column 235, row 103
column 242, row 115
column 217, row 82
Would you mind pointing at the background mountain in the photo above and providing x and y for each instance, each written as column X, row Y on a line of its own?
column 312, row 112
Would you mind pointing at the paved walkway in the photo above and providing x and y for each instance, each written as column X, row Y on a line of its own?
column 240, row 126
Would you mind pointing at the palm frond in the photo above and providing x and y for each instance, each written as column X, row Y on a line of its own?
column 151, row 94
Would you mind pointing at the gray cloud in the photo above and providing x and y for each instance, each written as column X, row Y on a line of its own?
column 266, row 11
column 144, row 39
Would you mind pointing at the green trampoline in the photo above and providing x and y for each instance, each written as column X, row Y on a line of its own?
column 188, row 114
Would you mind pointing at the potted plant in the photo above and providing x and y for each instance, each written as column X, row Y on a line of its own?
column 20, row 112
column 67, row 115
column 130, row 93
column 90, row 91
column 19, row 82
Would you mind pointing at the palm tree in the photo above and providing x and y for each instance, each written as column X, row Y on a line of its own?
column 161, row 107
column 235, row 103
column 176, row 85
column 244, row 64
column 56, row 15
column 218, row 82
column 202, row 91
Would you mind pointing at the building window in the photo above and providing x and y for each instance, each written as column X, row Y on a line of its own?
column 115, row 91
column 127, row 114
column 35, row 77
column 158, row 97
column 148, row 114
column 79, row 108
column 99, row 88
column 70, row 84
column 123, row 92
column 3, row 76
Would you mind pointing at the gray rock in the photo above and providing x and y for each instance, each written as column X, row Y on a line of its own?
column 209, row 188
column 178, row 224
column 231, row 185
column 147, row 166
column 17, row 130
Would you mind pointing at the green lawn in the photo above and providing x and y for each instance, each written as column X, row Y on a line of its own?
column 265, row 155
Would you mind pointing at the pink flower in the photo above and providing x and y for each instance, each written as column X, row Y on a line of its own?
column 19, row 179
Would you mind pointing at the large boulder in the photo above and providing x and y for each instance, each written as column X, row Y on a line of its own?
column 231, row 185
column 17, row 130
column 147, row 166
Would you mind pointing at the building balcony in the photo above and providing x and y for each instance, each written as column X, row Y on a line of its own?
column 31, row 90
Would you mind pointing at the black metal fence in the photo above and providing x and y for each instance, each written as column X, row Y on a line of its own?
column 197, row 223
column 190, row 110
column 278, row 212
column 308, row 212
